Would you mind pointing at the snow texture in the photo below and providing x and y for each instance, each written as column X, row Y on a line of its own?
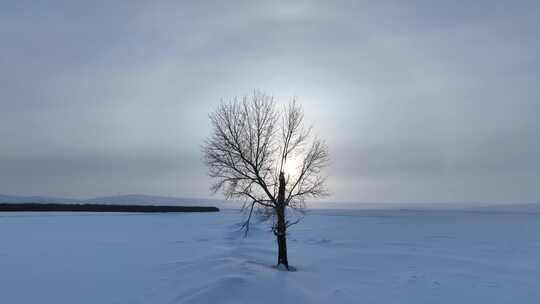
column 340, row 257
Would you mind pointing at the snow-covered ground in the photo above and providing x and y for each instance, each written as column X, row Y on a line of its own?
column 341, row 257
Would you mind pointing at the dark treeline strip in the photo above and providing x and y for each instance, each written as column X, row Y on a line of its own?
column 102, row 208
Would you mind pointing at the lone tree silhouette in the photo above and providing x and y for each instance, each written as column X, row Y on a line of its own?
column 266, row 158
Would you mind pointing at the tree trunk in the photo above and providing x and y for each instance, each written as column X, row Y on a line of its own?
column 281, row 231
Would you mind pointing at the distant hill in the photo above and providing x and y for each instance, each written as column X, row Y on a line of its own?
column 478, row 207
column 33, row 199
column 151, row 199
column 527, row 208
column 142, row 199
column 131, row 199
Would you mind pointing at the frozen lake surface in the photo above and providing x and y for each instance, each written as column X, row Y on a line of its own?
column 341, row 257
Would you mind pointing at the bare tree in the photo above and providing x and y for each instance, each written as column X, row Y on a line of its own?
column 265, row 158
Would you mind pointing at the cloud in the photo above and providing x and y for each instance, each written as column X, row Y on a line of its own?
column 418, row 101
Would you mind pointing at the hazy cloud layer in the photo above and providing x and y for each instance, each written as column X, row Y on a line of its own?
column 420, row 101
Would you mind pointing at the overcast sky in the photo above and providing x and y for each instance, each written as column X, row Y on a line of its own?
column 420, row 101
